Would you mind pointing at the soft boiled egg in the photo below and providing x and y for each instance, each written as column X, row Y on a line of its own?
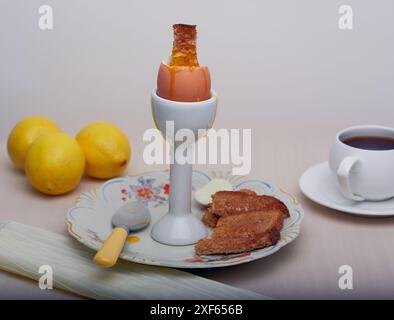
column 183, row 83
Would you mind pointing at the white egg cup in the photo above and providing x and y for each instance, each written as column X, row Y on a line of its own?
column 180, row 226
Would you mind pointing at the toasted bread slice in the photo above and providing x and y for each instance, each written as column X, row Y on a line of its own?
column 226, row 203
column 210, row 219
column 243, row 232
column 184, row 51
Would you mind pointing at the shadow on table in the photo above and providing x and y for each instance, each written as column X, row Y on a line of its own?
column 243, row 274
column 335, row 215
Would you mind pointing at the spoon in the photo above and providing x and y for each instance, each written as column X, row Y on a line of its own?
column 132, row 216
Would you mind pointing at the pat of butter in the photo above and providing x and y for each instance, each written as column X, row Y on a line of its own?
column 204, row 194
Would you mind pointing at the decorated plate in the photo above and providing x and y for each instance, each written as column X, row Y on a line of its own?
column 89, row 220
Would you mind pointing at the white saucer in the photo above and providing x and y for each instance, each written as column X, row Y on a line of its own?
column 319, row 185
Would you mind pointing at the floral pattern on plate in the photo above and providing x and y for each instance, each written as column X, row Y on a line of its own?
column 89, row 220
column 146, row 192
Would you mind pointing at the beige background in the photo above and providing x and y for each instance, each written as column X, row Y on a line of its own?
column 282, row 68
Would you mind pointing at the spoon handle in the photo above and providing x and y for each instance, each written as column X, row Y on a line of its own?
column 111, row 249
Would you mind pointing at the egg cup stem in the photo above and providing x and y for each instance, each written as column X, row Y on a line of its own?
column 181, row 186
column 180, row 226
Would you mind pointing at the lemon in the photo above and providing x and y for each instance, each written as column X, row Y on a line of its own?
column 106, row 148
column 23, row 135
column 54, row 163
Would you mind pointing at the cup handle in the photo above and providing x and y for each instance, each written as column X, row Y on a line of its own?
column 343, row 173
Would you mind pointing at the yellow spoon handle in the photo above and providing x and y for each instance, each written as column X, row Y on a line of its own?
column 111, row 249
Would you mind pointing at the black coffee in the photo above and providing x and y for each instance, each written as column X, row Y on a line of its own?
column 370, row 143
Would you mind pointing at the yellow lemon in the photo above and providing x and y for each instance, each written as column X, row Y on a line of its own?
column 54, row 163
column 106, row 148
column 23, row 135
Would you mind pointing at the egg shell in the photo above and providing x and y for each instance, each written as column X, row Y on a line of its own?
column 183, row 83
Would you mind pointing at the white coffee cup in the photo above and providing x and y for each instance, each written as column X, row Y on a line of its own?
column 363, row 174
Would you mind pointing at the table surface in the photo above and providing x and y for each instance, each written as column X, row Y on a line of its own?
column 307, row 268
